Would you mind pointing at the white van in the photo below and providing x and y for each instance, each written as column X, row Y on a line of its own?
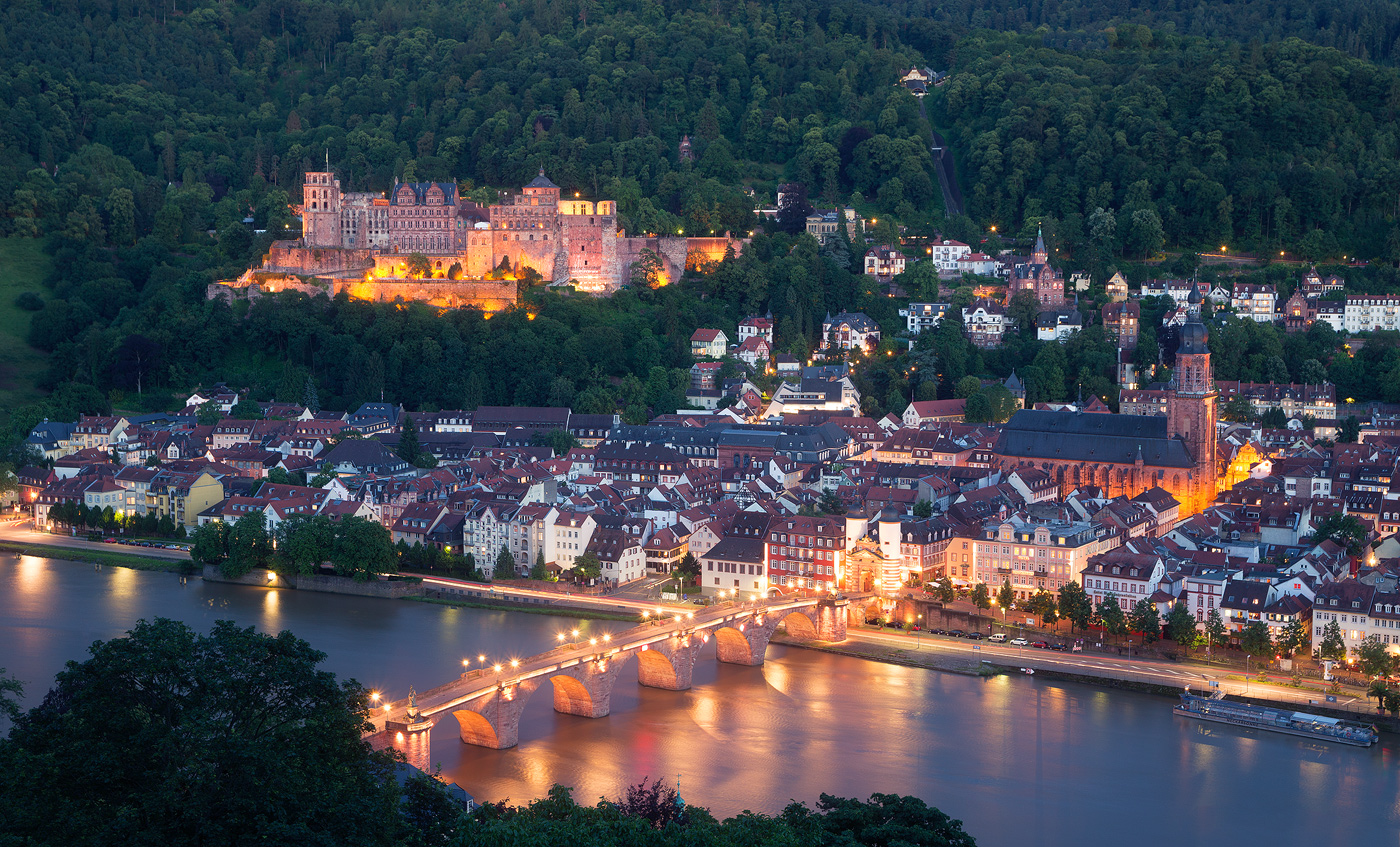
column 998, row 638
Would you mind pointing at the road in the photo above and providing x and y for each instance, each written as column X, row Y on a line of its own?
column 618, row 602
column 1135, row 670
column 19, row 533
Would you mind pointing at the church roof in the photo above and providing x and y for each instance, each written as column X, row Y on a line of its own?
column 1075, row 437
column 541, row 181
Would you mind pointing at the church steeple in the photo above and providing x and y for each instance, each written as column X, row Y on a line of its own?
column 1191, row 405
column 1038, row 256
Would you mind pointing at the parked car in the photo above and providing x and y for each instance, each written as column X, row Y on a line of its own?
column 1061, row 647
column 976, row 636
column 109, row 541
column 957, row 633
column 998, row 638
column 1019, row 642
column 1039, row 645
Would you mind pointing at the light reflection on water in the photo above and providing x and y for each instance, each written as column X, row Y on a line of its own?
column 1021, row 761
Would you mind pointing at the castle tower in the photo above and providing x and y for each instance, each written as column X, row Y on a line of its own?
column 320, row 210
column 1191, row 406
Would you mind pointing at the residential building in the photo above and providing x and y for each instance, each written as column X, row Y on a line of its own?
column 985, row 322
column 1058, row 325
column 1255, row 301
column 945, row 254
column 884, row 261
column 756, row 326
column 850, row 331
column 709, row 343
column 1367, row 312
column 922, row 316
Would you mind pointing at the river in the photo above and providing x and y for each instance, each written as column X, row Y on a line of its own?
column 1020, row 761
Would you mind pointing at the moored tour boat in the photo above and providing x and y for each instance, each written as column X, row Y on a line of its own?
column 1275, row 720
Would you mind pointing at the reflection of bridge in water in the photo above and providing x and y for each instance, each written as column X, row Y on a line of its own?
column 488, row 703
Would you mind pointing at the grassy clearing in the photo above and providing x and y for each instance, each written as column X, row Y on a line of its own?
column 97, row 557
column 23, row 266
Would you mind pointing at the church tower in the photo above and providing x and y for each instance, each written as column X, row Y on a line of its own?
column 1039, row 256
column 320, row 210
column 1191, row 407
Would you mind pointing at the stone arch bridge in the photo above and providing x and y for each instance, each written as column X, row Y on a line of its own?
column 488, row 704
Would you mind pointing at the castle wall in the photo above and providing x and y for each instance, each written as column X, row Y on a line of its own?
column 487, row 295
column 293, row 256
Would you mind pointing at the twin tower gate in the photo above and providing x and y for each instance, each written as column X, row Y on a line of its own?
column 488, row 704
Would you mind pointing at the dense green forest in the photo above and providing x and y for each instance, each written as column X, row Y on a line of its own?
column 1180, row 141
column 136, row 138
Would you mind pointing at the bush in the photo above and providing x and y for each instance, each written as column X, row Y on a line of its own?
column 29, row 301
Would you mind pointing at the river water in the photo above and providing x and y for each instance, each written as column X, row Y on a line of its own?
column 1020, row 761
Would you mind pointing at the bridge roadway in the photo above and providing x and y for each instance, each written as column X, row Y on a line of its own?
column 488, row 703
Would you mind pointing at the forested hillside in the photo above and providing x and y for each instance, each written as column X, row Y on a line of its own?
column 1271, row 144
column 243, row 97
column 136, row 138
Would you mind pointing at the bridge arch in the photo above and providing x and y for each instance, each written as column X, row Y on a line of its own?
column 799, row 625
column 571, row 696
column 656, row 670
column 476, row 729
column 733, row 647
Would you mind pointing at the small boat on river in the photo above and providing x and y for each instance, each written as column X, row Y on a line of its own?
column 1302, row 724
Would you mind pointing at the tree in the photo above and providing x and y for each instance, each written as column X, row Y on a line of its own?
column 1216, row 633
column 654, row 801
column 1332, row 646
column 793, row 207
column 886, row 819
column 1273, row 418
column 1295, row 638
column 945, row 591
column 923, row 510
column 303, row 543
column 1042, row 603
column 1349, row 431
column 689, row 568
column 1006, row 596
column 363, row 549
column 249, row 545
column 978, row 409
column 1076, row 606
column 1255, row 640
column 11, row 690
column 208, row 414
column 309, row 397
column 982, row 599
column 1109, row 615
column 559, row 441
column 830, row 504
column 164, row 714
column 505, row 563
column 418, row 266
column 1237, row 409
column 210, row 544
column 587, row 567
column 408, row 441
column 1346, row 530
column 1181, row 625
column 246, row 410
column 1146, row 621
column 1375, row 659
column 648, row 272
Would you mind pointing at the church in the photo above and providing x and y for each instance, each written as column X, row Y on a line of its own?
column 1128, row 454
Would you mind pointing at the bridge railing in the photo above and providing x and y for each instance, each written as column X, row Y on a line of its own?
column 637, row 632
